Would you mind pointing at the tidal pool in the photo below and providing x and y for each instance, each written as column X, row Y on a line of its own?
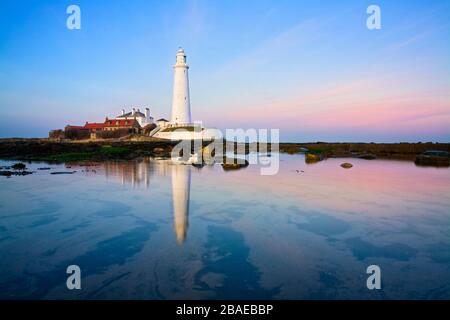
column 150, row 229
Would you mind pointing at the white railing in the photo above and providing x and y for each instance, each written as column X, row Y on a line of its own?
column 182, row 125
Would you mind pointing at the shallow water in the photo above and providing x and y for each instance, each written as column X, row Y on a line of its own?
column 150, row 229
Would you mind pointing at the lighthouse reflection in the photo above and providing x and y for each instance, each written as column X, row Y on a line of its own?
column 181, row 184
column 139, row 174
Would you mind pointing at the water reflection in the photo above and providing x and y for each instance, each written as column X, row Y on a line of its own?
column 181, row 184
column 139, row 173
column 308, row 232
column 135, row 173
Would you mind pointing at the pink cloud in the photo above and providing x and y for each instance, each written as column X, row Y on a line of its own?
column 366, row 105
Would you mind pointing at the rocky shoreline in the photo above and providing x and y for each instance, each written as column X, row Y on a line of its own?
column 65, row 151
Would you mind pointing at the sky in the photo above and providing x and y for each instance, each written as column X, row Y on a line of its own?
column 311, row 69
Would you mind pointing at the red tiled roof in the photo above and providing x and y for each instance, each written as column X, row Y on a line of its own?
column 94, row 125
column 120, row 123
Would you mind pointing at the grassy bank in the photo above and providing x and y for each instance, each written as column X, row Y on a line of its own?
column 66, row 151
column 407, row 151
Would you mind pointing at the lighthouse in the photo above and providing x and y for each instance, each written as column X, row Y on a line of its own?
column 181, row 106
column 181, row 126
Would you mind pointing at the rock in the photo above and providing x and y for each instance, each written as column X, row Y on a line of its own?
column 232, row 164
column 433, row 158
column 313, row 157
column 63, row 172
column 14, row 173
column 367, row 156
column 158, row 150
column 44, row 168
column 148, row 128
column 346, row 165
column 19, row 166
column 23, row 173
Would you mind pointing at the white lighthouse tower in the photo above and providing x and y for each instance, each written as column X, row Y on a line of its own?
column 181, row 126
column 181, row 106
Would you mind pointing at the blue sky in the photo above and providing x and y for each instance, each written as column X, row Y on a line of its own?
column 310, row 68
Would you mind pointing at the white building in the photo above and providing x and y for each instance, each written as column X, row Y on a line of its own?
column 143, row 119
column 162, row 122
column 181, row 105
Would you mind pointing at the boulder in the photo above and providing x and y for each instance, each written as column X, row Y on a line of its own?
column 232, row 164
column 19, row 166
column 6, row 173
column 433, row 158
column 148, row 128
column 158, row 150
column 313, row 157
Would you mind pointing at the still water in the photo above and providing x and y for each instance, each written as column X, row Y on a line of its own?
column 150, row 229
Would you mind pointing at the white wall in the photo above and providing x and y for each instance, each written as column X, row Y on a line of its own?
column 206, row 134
